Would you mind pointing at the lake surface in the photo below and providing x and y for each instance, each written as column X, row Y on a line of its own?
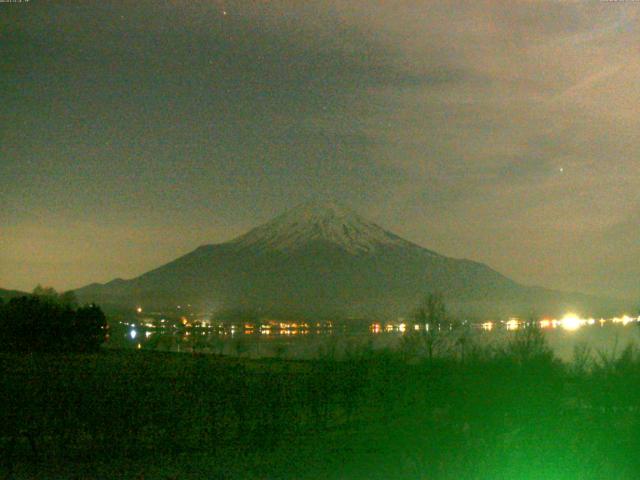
column 608, row 337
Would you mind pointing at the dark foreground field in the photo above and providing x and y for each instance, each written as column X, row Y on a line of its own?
column 516, row 413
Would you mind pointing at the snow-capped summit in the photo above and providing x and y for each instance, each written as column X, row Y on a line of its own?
column 320, row 221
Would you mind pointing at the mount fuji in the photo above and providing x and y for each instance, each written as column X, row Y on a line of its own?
column 323, row 259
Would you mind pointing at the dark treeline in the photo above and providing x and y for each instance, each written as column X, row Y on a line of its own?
column 48, row 321
column 501, row 412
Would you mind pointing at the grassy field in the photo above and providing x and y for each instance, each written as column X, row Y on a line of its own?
column 516, row 413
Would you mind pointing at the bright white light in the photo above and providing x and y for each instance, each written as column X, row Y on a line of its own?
column 133, row 334
column 571, row 322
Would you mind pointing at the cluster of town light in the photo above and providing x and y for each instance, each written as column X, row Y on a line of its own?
column 569, row 322
column 572, row 322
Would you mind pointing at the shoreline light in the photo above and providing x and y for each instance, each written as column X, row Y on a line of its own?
column 571, row 322
column 513, row 324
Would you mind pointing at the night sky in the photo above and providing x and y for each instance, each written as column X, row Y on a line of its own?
column 132, row 132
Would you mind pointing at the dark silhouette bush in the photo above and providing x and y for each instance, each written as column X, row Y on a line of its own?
column 50, row 322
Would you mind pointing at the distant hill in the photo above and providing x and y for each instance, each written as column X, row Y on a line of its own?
column 9, row 294
column 325, row 259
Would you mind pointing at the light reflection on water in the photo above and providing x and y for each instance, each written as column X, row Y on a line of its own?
column 311, row 340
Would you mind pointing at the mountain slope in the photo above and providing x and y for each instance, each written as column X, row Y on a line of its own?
column 323, row 259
